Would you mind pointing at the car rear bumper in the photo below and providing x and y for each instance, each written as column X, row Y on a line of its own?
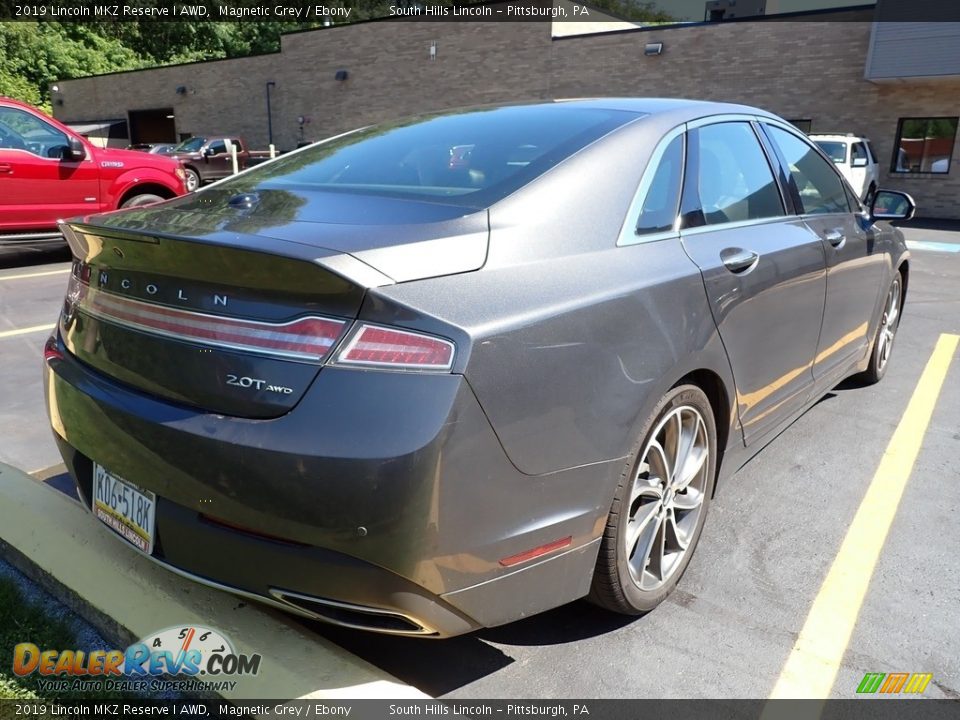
column 382, row 501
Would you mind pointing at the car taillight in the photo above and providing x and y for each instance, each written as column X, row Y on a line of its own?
column 392, row 349
column 51, row 351
column 308, row 338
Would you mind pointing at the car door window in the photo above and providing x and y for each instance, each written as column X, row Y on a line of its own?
column 734, row 182
column 20, row 130
column 661, row 202
column 859, row 152
column 820, row 188
column 218, row 147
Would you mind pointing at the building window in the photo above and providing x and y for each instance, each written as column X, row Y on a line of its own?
column 804, row 126
column 924, row 145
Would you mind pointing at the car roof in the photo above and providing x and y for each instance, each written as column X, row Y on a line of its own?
column 680, row 107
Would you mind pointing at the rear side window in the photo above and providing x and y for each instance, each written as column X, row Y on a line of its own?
column 820, row 187
column 663, row 197
column 859, row 152
column 473, row 158
column 734, row 180
column 836, row 151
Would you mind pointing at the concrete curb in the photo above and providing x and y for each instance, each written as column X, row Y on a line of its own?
column 56, row 542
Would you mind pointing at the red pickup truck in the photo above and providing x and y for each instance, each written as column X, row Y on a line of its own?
column 49, row 173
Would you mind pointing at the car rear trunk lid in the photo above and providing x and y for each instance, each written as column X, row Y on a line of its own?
column 218, row 326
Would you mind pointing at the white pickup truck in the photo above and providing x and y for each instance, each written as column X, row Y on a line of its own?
column 855, row 159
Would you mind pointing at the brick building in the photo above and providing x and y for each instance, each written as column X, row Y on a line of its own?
column 838, row 71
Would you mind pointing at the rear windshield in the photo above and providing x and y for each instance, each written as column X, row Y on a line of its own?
column 836, row 151
column 470, row 158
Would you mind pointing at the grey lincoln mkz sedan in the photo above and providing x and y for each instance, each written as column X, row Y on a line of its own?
column 448, row 372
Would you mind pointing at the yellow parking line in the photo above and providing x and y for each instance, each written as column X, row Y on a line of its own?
column 24, row 331
column 21, row 276
column 812, row 667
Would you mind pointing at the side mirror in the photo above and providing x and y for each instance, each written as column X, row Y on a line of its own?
column 209, row 152
column 892, row 205
column 75, row 149
column 859, row 162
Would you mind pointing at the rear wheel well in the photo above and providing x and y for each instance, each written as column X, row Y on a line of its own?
column 904, row 270
column 146, row 189
column 712, row 386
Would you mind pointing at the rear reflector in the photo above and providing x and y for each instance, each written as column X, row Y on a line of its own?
column 536, row 552
column 376, row 346
column 308, row 338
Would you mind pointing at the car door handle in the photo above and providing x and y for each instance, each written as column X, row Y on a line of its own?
column 835, row 238
column 6, row 168
column 738, row 260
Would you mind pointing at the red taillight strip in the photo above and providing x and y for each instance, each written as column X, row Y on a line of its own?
column 308, row 338
column 391, row 348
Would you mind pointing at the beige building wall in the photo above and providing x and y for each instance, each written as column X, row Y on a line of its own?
column 800, row 70
column 225, row 96
column 391, row 74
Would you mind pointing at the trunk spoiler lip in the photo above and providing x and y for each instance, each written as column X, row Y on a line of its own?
column 345, row 265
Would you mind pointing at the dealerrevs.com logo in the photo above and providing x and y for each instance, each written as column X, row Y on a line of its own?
column 182, row 658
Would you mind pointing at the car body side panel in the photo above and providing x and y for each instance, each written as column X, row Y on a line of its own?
column 855, row 279
column 769, row 316
column 567, row 382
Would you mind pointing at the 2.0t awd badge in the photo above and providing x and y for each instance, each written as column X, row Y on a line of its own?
column 256, row 384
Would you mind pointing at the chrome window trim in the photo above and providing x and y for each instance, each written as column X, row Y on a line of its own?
column 717, row 119
column 803, row 138
column 628, row 231
column 703, row 229
column 629, row 235
column 751, row 121
column 773, row 162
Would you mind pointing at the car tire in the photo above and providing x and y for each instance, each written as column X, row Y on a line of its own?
column 192, row 180
column 141, row 200
column 654, row 523
column 886, row 332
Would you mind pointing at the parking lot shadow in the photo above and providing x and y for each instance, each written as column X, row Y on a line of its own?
column 566, row 624
column 435, row 667
column 438, row 667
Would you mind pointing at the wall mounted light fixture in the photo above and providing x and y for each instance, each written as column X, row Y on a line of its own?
column 181, row 90
column 433, row 50
column 653, row 49
column 341, row 75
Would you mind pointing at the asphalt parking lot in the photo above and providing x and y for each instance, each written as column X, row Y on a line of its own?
column 773, row 544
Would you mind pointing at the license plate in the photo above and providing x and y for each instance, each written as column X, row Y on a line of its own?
column 124, row 508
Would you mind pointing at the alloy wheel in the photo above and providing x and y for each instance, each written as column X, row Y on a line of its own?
column 888, row 324
column 666, row 498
